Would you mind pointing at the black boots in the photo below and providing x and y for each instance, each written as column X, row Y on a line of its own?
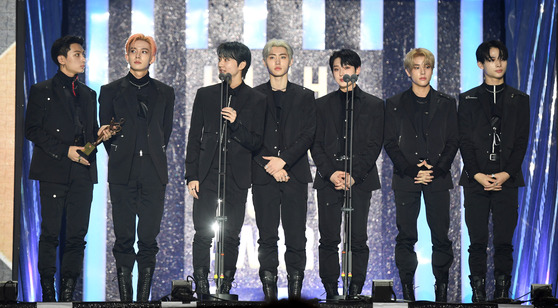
column 408, row 291
column 355, row 288
column 502, row 290
column 145, row 277
column 124, row 277
column 441, row 292
column 331, row 289
column 269, row 285
column 294, row 280
column 49, row 293
column 226, row 283
column 67, row 287
column 202, row 284
column 479, row 290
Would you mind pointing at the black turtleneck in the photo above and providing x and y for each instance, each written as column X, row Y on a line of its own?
column 144, row 95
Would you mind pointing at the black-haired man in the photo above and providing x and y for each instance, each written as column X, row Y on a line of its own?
column 494, row 133
column 245, row 115
column 61, row 118
column 331, row 179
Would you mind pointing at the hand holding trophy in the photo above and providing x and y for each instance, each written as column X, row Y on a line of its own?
column 113, row 127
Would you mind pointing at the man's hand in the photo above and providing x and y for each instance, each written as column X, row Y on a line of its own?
column 492, row 182
column 281, row 176
column 274, row 165
column 338, row 180
column 74, row 156
column 424, row 176
column 229, row 114
column 107, row 133
column 194, row 188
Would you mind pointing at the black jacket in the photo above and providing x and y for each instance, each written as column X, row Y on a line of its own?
column 118, row 100
column 402, row 145
column 475, row 133
column 245, row 135
column 298, row 125
column 49, row 124
column 367, row 143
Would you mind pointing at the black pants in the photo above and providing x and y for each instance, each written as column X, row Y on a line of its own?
column 285, row 201
column 204, row 217
column 330, row 202
column 144, row 197
column 503, row 205
column 437, row 205
column 73, row 200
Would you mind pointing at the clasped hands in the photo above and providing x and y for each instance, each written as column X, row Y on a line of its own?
column 342, row 180
column 275, row 168
column 424, row 176
column 492, row 182
column 73, row 153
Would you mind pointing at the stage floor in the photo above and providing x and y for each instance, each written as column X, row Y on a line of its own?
column 284, row 303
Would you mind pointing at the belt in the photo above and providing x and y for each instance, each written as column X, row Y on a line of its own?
column 494, row 157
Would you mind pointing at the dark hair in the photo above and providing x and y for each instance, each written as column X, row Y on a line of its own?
column 483, row 51
column 61, row 46
column 237, row 51
column 347, row 56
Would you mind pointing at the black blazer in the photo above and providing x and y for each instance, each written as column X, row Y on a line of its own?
column 118, row 100
column 245, row 135
column 298, row 125
column 367, row 143
column 49, row 124
column 475, row 134
column 401, row 144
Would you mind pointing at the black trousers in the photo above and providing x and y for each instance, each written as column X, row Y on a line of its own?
column 285, row 202
column 204, row 217
column 478, row 206
column 407, row 205
column 144, row 197
column 72, row 200
column 330, row 202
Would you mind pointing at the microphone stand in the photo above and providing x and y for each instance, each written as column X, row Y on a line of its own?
column 221, row 197
column 347, row 209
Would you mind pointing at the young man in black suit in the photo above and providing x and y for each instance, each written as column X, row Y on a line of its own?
column 281, row 171
column 245, row 113
column 421, row 138
column 331, row 180
column 137, row 165
column 61, row 118
column 494, row 133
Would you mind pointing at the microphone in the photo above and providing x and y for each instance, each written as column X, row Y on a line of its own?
column 346, row 78
column 228, row 77
column 221, row 76
column 354, row 77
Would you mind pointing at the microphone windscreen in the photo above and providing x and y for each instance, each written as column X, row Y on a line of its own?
column 221, row 76
column 346, row 78
column 354, row 77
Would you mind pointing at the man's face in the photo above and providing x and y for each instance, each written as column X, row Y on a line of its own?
column 421, row 72
column 229, row 65
column 277, row 62
column 74, row 61
column 340, row 70
column 494, row 68
column 139, row 56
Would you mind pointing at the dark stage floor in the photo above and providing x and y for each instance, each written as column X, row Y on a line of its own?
column 320, row 304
